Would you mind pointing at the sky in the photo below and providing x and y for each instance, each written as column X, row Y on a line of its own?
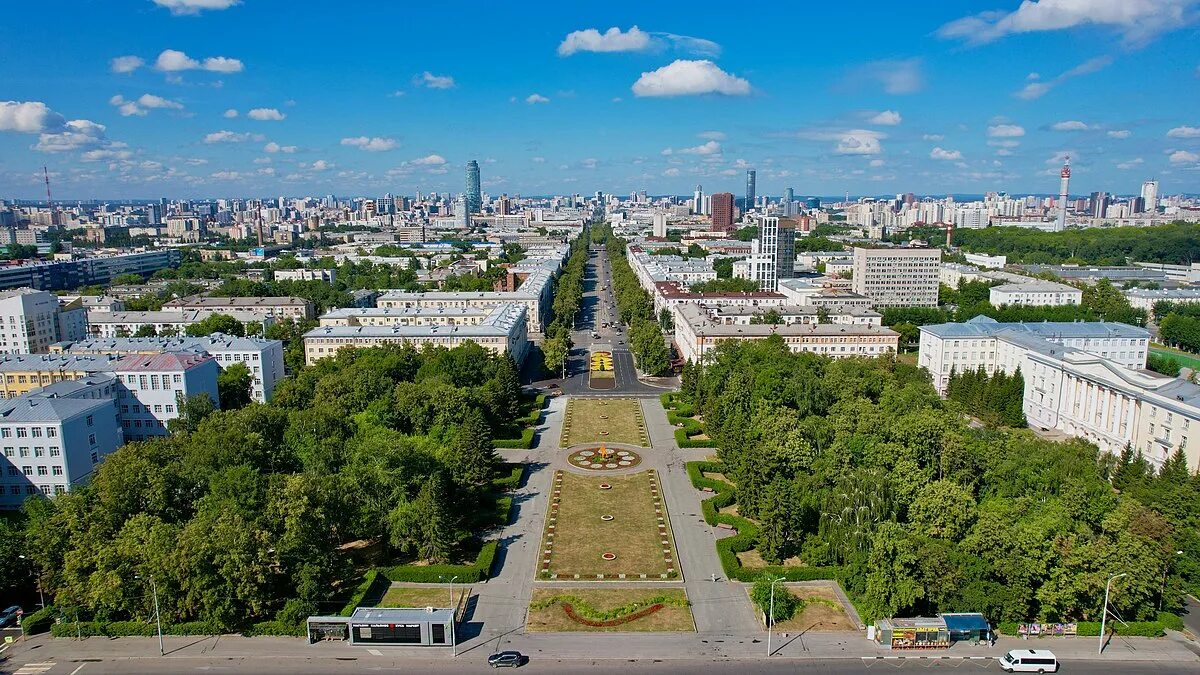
column 124, row 99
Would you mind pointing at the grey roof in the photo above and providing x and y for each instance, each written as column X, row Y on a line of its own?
column 46, row 409
column 21, row 363
column 983, row 326
column 217, row 342
column 401, row 615
column 499, row 323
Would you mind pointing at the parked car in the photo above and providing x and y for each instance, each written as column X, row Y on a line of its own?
column 9, row 616
column 509, row 659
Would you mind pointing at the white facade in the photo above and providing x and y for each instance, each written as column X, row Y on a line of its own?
column 987, row 343
column 152, row 387
column 326, row 275
column 52, row 441
column 1145, row 298
column 1035, row 292
column 29, row 321
column 164, row 322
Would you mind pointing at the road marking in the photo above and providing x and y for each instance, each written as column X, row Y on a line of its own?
column 78, row 669
column 374, row 652
column 35, row 668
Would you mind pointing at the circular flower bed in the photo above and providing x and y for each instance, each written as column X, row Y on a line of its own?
column 592, row 459
column 609, row 556
column 606, row 518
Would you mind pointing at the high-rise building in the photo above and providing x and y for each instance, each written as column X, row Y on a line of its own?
column 1150, row 195
column 1063, row 191
column 474, row 194
column 660, row 225
column 751, row 180
column 772, row 253
column 698, row 201
column 1099, row 204
column 722, row 211
column 897, row 277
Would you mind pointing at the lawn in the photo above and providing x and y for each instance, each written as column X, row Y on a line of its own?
column 422, row 596
column 1181, row 357
column 547, row 615
column 620, row 417
column 577, row 536
column 822, row 612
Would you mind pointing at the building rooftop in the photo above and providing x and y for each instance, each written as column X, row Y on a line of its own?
column 1036, row 286
column 401, row 615
column 217, row 342
column 32, row 408
column 62, row 362
column 209, row 302
column 167, row 361
column 984, row 326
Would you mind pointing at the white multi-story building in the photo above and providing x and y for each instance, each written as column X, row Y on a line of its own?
column 301, row 274
column 790, row 315
column 697, row 333
column 821, row 293
column 53, row 438
column 897, row 277
column 152, row 387
column 772, row 253
column 1035, row 292
column 262, row 357
column 987, row 343
column 32, row 320
column 278, row 308
column 535, row 293
column 164, row 322
column 1145, row 298
column 502, row 331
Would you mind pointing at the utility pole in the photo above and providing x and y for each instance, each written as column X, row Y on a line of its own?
column 771, row 615
column 1104, row 616
column 157, row 615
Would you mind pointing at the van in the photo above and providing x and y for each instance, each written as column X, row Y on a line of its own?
column 1029, row 661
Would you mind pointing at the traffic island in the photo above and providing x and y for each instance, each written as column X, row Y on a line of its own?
column 605, row 529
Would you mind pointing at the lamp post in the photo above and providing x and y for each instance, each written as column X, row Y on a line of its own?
column 157, row 615
column 771, row 615
column 1163, row 588
column 1104, row 616
column 453, row 618
column 37, row 579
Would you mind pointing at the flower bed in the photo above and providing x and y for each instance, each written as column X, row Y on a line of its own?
column 570, row 611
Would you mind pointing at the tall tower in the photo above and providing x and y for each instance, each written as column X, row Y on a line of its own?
column 473, row 193
column 698, row 200
column 1150, row 195
column 751, row 176
column 1063, row 184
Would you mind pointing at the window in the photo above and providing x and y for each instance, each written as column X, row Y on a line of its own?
column 55, row 452
column 6, row 433
column 51, row 432
column 9, row 452
column 37, row 432
column 24, row 452
column 39, row 452
column 22, row 432
column 170, row 408
column 27, row 470
column 92, row 439
column 91, row 422
column 43, row 471
column 58, row 470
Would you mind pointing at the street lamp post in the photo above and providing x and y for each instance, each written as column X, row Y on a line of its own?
column 1104, row 616
column 157, row 615
column 771, row 615
column 453, row 618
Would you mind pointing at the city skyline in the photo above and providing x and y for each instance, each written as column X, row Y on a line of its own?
column 934, row 100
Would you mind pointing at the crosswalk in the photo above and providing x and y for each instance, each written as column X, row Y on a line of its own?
column 34, row 668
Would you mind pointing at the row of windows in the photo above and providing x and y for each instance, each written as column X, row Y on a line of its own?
column 42, row 470
column 47, row 490
column 25, row 432
column 151, row 381
column 158, row 408
column 25, row 452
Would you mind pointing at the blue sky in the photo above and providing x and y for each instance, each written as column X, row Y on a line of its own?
column 149, row 98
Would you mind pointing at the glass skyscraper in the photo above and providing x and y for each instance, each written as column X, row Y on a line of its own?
column 750, row 191
column 474, row 198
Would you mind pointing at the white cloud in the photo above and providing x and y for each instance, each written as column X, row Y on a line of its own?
column 428, row 79
column 611, row 40
column 231, row 137
column 182, row 7
column 265, row 115
column 1138, row 21
column 105, row 155
column 690, row 78
column 877, row 162
column 173, row 61
column 1038, row 89
column 1183, row 157
column 538, row 160
column 152, row 101
column 633, row 40
column 126, row 64
column 266, row 171
column 223, row 64
column 262, row 160
column 859, row 142
column 1070, row 125
column 1005, row 131
column 230, row 114
column 712, row 135
column 397, row 94
column 225, row 175
column 74, row 135
column 125, row 107
column 321, row 165
column 1120, row 133
column 275, row 147
column 370, row 144
column 536, row 98
column 429, row 160
column 140, row 106
column 939, row 153
column 672, row 172
column 709, row 148
column 1004, row 152
column 886, row 118
column 932, row 137
column 667, row 152
column 1004, row 143
column 896, row 76
column 1184, row 132
column 1131, row 164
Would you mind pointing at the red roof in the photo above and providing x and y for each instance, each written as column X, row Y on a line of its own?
column 167, row 361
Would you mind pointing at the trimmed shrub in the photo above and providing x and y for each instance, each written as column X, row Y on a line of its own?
column 525, row 442
column 512, row 479
column 1171, row 621
column 132, row 628
column 682, row 440
column 281, row 628
column 39, row 621
column 1092, row 628
column 372, row 580
column 467, row 574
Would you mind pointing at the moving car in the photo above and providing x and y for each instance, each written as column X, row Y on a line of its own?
column 1029, row 661
column 509, row 659
column 9, row 615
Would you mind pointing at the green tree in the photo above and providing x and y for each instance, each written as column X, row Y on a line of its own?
column 555, row 352
column 192, row 411
column 785, row 606
column 427, row 527
column 472, row 461
column 943, row 509
column 147, row 330
column 216, row 323
column 235, row 385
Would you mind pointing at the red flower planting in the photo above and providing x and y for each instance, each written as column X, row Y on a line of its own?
column 641, row 613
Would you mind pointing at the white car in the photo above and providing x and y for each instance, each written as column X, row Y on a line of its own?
column 1029, row 661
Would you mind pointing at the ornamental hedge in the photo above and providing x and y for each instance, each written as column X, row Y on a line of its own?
column 586, row 611
column 39, row 621
column 467, row 574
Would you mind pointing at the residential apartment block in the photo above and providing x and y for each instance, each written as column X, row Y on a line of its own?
column 152, row 387
column 1036, row 292
column 278, row 308
column 897, row 277
column 32, row 320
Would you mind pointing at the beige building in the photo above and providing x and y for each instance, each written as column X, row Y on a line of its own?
column 897, row 277
column 273, row 307
column 697, row 333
